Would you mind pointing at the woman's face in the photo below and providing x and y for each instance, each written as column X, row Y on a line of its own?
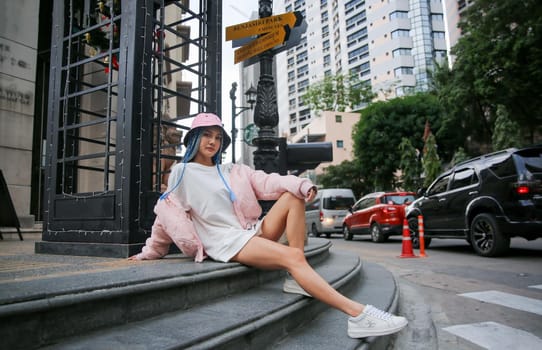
column 211, row 139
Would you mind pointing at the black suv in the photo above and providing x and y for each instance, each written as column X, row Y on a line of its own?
column 486, row 200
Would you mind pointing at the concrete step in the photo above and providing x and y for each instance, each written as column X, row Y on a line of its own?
column 252, row 319
column 36, row 310
column 328, row 330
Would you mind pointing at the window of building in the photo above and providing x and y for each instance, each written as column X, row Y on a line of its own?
column 438, row 35
column 356, row 37
column 439, row 54
column 358, row 54
column 325, row 45
column 403, row 71
column 302, row 71
column 437, row 17
column 340, row 144
column 338, row 118
column 291, row 75
column 356, row 19
column 398, row 14
column 404, row 90
column 401, row 52
column 400, row 33
column 301, row 57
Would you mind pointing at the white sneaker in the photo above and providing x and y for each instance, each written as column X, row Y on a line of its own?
column 374, row 322
column 291, row 286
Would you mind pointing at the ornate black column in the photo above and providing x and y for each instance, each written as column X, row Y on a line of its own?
column 266, row 115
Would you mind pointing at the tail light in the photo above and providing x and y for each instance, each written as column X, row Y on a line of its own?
column 321, row 217
column 522, row 190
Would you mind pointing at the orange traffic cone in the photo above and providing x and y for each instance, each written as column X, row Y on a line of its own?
column 421, row 234
column 407, row 242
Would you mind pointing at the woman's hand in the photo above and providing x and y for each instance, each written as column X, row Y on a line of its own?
column 312, row 193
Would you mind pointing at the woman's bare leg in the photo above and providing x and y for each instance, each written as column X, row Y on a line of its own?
column 266, row 254
column 288, row 213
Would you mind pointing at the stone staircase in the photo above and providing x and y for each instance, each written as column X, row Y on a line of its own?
column 175, row 303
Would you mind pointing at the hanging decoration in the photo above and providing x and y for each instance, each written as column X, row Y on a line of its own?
column 99, row 39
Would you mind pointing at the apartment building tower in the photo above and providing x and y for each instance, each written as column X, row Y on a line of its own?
column 390, row 44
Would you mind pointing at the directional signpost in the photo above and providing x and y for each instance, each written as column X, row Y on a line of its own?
column 268, row 32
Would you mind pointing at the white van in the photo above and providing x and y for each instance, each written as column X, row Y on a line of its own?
column 325, row 214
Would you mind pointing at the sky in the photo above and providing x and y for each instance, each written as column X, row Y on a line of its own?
column 233, row 12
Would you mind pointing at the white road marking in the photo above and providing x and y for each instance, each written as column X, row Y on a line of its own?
column 495, row 336
column 537, row 286
column 509, row 300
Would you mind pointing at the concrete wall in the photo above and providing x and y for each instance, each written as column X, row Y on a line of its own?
column 18, row 52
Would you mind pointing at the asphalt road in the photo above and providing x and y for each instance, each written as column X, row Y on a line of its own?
column 456, row 299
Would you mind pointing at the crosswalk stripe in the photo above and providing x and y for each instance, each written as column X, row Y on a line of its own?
column 509, row 300
column 539, row 286
column 495, row 336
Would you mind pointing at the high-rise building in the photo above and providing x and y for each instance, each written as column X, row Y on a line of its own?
column 390, row 44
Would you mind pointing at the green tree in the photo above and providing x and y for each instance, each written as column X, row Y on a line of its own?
column 459, row 156
column 432, row 165
column 506, row 132
column 381, row 128
column 499, row 61
column 409, row 165
column 337, row 93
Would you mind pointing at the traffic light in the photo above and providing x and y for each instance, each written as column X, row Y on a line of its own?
column 302, row 156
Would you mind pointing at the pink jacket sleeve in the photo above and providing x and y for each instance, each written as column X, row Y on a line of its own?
column 271, row 186
column 172, row 225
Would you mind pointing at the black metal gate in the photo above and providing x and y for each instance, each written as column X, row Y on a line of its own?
column 125, row 78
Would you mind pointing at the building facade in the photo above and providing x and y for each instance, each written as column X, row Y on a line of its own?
column 390, row 44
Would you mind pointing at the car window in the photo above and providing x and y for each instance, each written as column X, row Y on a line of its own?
column 398, row 199
column 365, row 203
column 337, row 202
column 529, row 163
column 440, row 186
column 463, row 178
column 313, row 205
column 503, row 168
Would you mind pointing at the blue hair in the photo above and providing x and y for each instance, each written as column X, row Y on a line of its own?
column 191, row 151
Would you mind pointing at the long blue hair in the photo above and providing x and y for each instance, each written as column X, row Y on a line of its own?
column 191, row 151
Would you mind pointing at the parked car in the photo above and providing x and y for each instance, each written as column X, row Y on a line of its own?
column 485, row 200
column 326, row 212
column 379, row 214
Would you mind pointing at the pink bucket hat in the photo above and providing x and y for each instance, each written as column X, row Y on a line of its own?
column 203, row 120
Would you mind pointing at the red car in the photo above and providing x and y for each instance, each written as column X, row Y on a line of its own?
column 379, row 214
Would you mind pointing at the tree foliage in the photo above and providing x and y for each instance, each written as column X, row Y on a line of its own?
column 410, row 165
column 382, row 127
column 337, row 93
column 506, row 133
column 498, row 62
column 431, row 163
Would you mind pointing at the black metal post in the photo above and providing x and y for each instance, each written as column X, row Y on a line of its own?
column 266, row 111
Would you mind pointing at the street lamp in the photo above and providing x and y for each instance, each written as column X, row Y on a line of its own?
column 251, row 99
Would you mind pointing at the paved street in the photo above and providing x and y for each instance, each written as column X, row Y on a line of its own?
column 458, row 300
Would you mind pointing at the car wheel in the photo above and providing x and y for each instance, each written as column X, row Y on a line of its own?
column 376, row 233
column 314, row 230
column 346, row 233
column 486, row 237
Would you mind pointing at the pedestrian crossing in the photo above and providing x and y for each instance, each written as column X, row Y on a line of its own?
column 497, row 336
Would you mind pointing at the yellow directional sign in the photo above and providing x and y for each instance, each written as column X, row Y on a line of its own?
column 261, row 44
column 263, row 25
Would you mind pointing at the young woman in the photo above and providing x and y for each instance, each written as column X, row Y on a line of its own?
column 218, row 209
